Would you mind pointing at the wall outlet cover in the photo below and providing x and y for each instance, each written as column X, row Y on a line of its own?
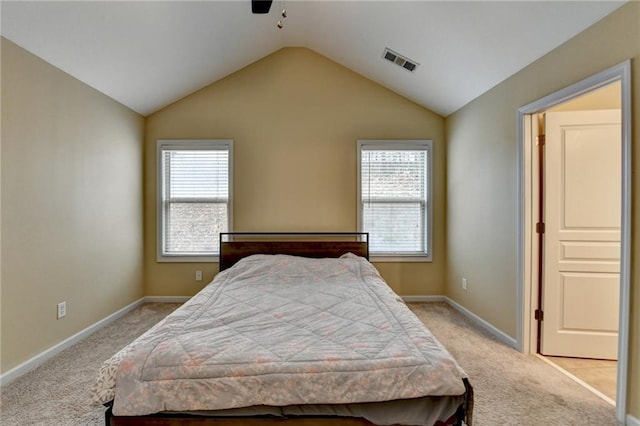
column 62, row 309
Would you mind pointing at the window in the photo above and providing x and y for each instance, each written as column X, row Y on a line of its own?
column 194, row 198
column 394, row 198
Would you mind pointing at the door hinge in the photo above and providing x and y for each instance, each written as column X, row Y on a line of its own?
column 540, row 139
column 540, row 228
column 538, row 315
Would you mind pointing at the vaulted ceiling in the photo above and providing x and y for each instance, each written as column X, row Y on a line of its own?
column 148, row 54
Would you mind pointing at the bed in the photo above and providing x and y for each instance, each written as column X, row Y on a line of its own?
column 297, row 329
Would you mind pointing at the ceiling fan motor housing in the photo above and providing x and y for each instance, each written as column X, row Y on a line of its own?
column 260, row 6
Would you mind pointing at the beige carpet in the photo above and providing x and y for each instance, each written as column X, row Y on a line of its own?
column 59, row 391
column 510, row 388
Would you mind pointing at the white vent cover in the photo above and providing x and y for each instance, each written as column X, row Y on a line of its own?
column 401, row 61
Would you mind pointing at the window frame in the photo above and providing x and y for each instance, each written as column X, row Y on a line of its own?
column 399, row 144
column 187, row 144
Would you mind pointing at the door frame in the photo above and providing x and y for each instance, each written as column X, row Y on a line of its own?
column 527, row 297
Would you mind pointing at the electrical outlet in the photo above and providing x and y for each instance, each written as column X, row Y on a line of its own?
column 198, row 275
column 464, row 283
column 62, row 309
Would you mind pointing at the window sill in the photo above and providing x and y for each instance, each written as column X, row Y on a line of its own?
column 187, row 259
column 399, row 259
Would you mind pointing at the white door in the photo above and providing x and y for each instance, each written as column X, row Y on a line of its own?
column 581, row 277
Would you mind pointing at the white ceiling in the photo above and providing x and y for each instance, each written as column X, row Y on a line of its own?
column 147, row 54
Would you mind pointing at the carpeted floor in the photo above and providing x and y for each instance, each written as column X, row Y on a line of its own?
column 510, row 388
column 59, row 391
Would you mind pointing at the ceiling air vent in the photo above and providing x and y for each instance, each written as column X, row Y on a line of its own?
column 399, row 60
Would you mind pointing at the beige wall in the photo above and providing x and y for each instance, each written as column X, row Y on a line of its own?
column 481, row 175
column 71, row 205
column 294, row 117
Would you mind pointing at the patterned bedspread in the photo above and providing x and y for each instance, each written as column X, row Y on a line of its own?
column 282, row 330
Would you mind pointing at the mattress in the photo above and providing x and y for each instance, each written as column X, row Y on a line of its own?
column 286, row 332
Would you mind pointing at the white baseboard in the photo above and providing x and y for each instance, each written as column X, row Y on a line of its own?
column 410, row 299
column 501, row 336
column 166, row 299
column 632, row 421
column 498, row 334
column 34, row 362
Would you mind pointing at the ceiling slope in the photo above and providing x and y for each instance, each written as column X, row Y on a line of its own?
column 148, row 54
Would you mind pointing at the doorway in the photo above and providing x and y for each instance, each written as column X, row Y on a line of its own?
column 581, row 263
column 587, row 253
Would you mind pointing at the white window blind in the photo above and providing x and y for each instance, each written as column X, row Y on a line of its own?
column 195, row 197
column 394, row 197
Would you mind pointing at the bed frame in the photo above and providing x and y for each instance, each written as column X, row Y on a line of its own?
column 184, row 420
column 237, row 245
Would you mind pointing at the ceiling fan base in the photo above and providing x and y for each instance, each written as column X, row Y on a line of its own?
column 261, row 6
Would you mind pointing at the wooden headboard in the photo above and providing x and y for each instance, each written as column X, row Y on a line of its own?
column 236, row 245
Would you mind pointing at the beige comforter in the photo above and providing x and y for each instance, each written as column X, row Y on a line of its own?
column 282, row 330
